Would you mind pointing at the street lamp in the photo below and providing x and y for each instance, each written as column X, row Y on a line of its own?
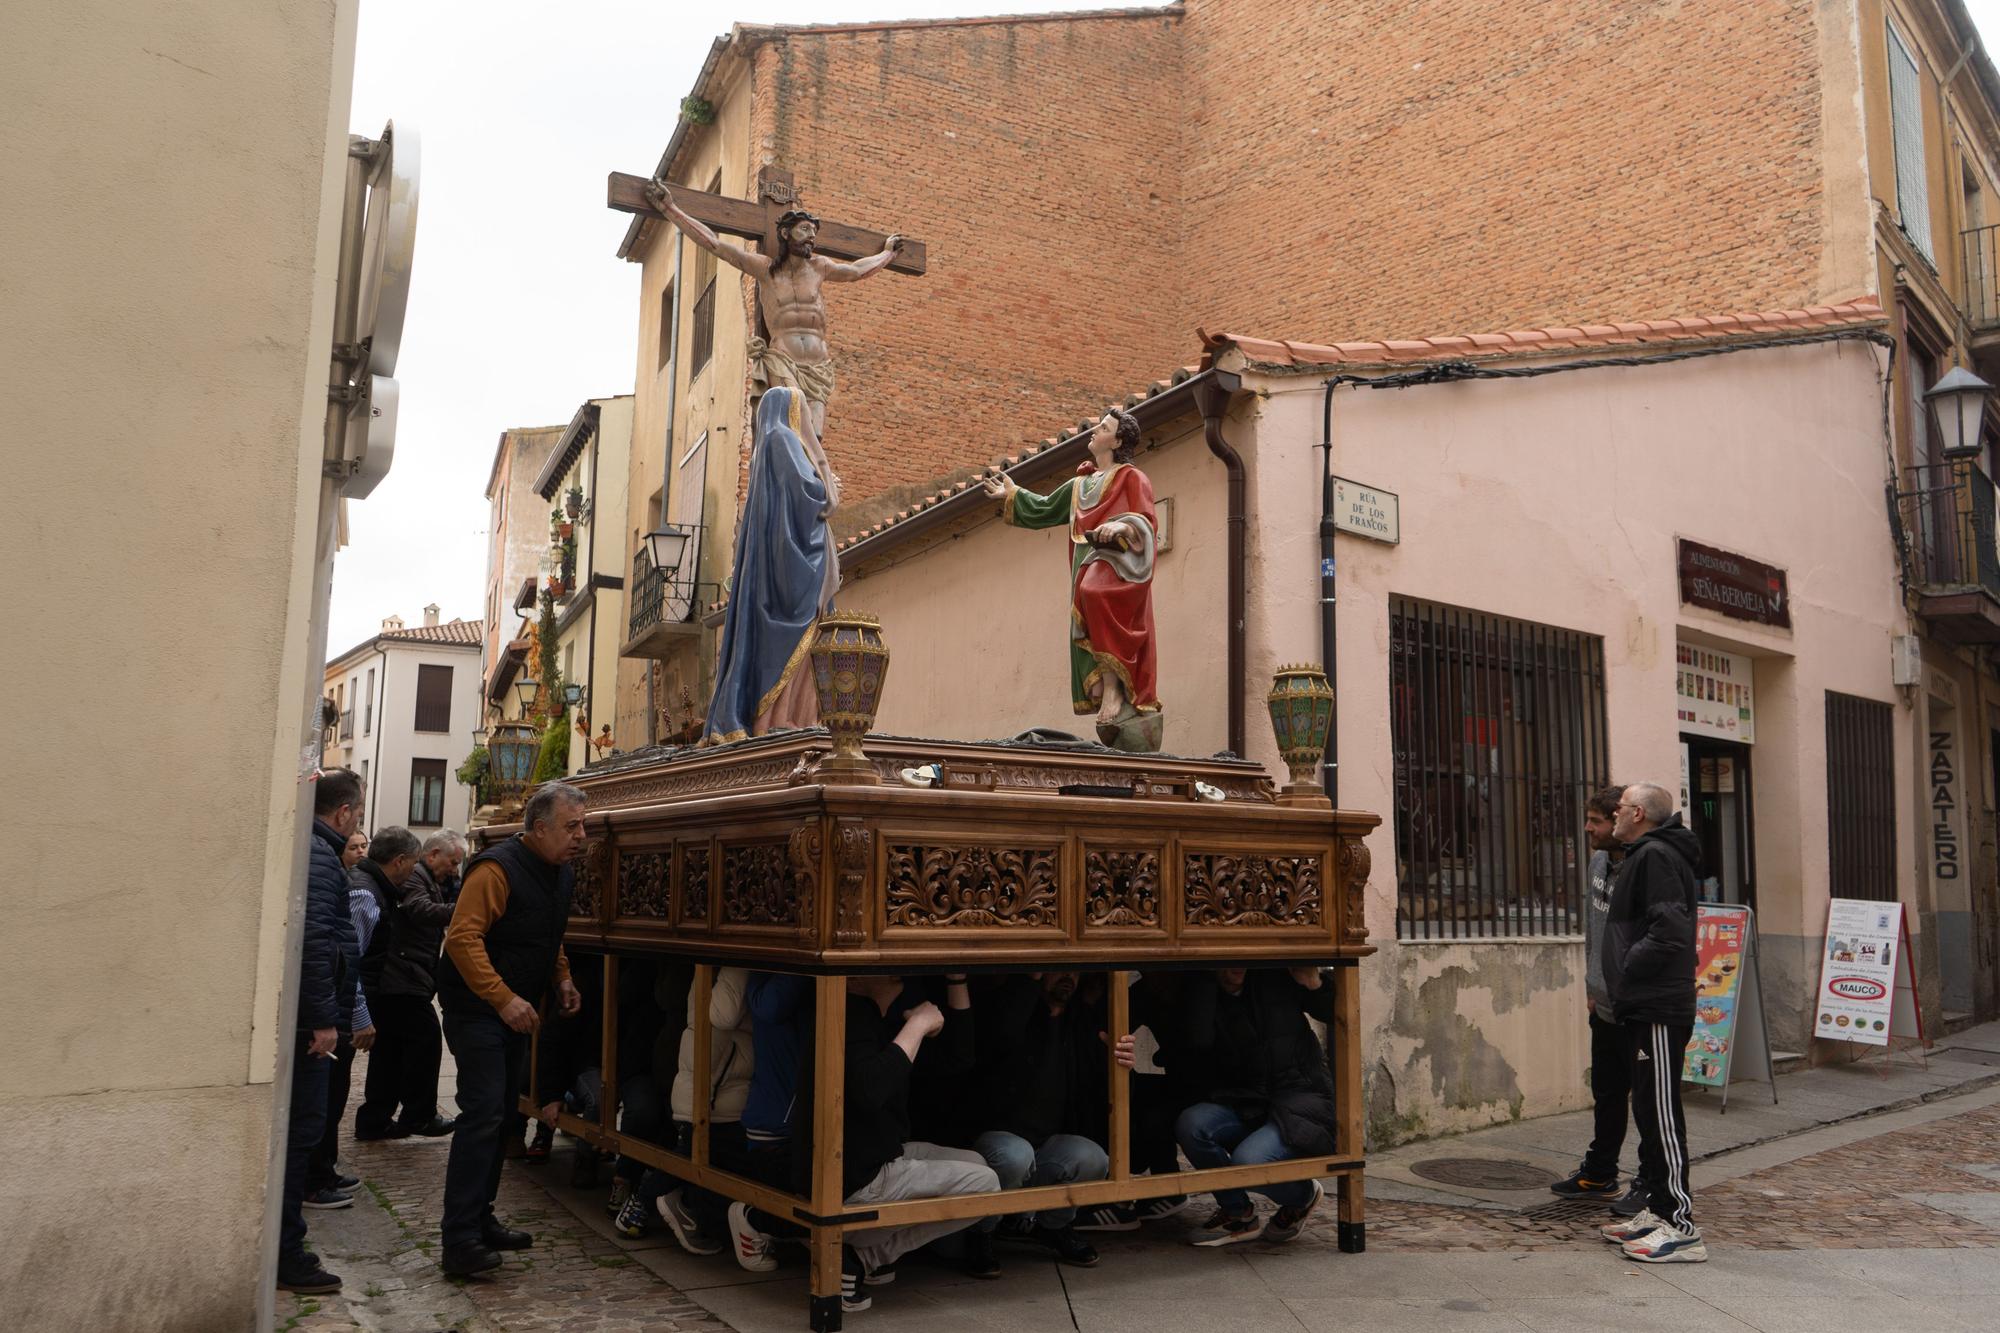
column 668, row 546
column 525, row 690
column 1958, row 407
column 479, row 735
column 572, row 695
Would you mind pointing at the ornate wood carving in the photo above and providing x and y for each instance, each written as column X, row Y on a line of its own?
column 1121, row 888
column 1230, row 890
column 808, row 849
column 644, row 884
column 972, row 886
column 757, row 885
column 587, row 888
column 853, row 858
column 694, row 884
column 1355, row 863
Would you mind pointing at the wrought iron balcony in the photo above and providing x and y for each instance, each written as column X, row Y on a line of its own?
column 1981, row 249
column 1950, row 560
column 665, row 604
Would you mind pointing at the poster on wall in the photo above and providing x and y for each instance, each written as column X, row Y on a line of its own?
column 1729, row 999
column 1865, row 989
column 1714, row 694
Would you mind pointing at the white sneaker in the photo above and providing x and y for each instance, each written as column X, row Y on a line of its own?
column 1667, row 1244
column 674, row 1212
column 751, row 1246
column 1631, row 1228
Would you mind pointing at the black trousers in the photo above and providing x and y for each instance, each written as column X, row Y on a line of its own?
column 323, row 1164
column 307, row 1123
column 1655, row 1052
column 492, row 1074
column 403, row 1066
column 1611, row 1095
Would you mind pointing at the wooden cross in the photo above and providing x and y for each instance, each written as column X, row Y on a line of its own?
column 757, row 219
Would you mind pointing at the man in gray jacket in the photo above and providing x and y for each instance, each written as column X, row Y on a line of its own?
column 1610, row 1079
column 400, row 976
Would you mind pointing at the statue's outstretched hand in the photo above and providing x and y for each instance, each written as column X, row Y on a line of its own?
column 893, row 246
column 995, row 487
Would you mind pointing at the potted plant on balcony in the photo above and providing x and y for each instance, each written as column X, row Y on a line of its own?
column 573, row 502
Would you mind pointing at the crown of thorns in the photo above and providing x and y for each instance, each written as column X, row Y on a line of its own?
column 787, row 219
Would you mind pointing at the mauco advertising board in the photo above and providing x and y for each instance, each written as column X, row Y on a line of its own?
column 1865, row 990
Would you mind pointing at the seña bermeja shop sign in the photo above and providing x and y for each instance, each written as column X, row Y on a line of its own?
column 1735, row 585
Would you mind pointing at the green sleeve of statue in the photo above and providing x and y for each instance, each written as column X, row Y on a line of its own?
column 1025, row 509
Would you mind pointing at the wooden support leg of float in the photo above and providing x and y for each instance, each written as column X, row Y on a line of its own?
column 1120, row 1020
column 1352, row 1227
column 607, row 1056
column 828, row 1196
column 704, row 1038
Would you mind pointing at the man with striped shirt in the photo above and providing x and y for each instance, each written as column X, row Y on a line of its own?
column 1648, row 956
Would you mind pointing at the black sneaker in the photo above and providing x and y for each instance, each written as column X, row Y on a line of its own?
column 1580, row 1185
column 468, row 1260
column 307, row 1278
column 1107, row 1217
column 374, row 1135
column 1633, row 1201
column 1223, row 1228
column 1152, row 1210
column 1286, row 1223
column 496, row 1237
column 880, row 1277
column 437, row 1127
column 979, row 1261
column 1069, row 1247
column 328, row 1197
column 854, row 1297
column 345, row 1183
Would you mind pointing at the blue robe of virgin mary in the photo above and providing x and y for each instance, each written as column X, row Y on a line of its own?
column 783, row 576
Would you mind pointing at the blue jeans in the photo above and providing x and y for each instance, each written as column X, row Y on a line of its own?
column 1212, row 1135
column 492, row 1074
column 1062, row 1160
column 303, row 1131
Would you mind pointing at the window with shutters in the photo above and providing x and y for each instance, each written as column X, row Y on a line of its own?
column 1906, row 118
column 426, row 793
column 433, row 698
column 670, row 313
column 368, row 706
column 1860, row 798
column 701, row 334
column 1499, row 737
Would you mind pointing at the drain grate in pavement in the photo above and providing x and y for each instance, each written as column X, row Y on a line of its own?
column 1484, row 1173
column 1570, row 1210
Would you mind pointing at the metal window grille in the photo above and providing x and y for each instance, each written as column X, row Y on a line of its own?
column 1499, row 734
column 426, row 792
column 1860, row 798
column 433, row 698
column 1906, row 117
column 702, row 336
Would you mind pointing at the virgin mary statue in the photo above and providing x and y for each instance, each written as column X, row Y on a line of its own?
column 784, row 577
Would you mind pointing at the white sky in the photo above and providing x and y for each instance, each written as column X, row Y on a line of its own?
column 519, row 308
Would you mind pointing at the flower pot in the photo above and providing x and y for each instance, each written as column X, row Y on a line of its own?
column 849, row 663
column 563, row 530
column 1301, row 704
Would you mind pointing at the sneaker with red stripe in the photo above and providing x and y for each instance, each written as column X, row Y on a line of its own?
column 751, row 1247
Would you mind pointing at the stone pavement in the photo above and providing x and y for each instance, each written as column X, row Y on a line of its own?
column 1888, row 1222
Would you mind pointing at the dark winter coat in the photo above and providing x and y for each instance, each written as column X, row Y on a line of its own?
column 1649, row 948
column 1257, row 1055
column 414, row 920
column 326, row 983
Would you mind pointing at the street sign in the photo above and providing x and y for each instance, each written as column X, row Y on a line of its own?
column 1367, row 512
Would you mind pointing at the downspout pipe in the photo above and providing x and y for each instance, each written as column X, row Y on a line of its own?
column 1328, row 597
column 1212, row 398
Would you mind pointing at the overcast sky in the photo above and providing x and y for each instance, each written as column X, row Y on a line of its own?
column 519, row 308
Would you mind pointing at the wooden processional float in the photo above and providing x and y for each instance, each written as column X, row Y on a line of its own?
column 810, row 853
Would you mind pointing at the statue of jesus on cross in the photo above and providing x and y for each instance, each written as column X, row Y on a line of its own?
column 793, row 349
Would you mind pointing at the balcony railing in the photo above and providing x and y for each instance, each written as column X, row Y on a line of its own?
column 659, row 601
column 347, row 725
column 1947, row 515
column 1981, row 248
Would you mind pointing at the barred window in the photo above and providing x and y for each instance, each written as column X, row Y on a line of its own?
column 1499, row 734
column 1860, row 798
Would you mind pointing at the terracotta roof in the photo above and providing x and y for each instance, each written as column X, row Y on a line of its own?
column 452, row 631
column 1464, row 347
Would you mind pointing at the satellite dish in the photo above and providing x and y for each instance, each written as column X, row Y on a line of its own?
column 371, row 434
column 388, row 247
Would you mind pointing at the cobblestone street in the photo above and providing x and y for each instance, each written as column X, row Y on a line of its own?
column 1899, row 1219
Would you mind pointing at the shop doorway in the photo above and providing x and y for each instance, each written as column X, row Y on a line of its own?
column 1719, row 810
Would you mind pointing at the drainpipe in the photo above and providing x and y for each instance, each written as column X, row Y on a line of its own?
column 1212, row 397
column 1328, row 639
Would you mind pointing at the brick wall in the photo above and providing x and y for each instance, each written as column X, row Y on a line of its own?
column 1398, row 169
column 1039, row 163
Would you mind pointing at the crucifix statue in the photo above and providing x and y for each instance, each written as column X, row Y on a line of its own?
column 796, row 254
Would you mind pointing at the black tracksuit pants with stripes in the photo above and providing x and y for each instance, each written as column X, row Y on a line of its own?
column 1654, row 1055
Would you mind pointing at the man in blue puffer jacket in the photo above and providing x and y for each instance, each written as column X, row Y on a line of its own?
column 326, row 993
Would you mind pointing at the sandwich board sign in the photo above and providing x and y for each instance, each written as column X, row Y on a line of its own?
column 1866, row 989
column 1725, row 1013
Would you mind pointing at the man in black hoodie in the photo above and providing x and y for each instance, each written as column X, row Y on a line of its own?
column 1649, row 966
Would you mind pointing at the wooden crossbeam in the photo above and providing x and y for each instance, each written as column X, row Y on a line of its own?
column 757, row 220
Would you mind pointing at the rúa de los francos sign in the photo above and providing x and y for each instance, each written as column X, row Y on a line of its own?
column 1733, row 585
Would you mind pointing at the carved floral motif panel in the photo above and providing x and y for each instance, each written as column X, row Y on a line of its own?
column 972, row 886
column 644, row 885
column 757, row 886
column 1247, row 890
column 1121, row 887
column 694, row 884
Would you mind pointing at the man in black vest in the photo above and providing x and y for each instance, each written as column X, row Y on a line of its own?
column 502, row 952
